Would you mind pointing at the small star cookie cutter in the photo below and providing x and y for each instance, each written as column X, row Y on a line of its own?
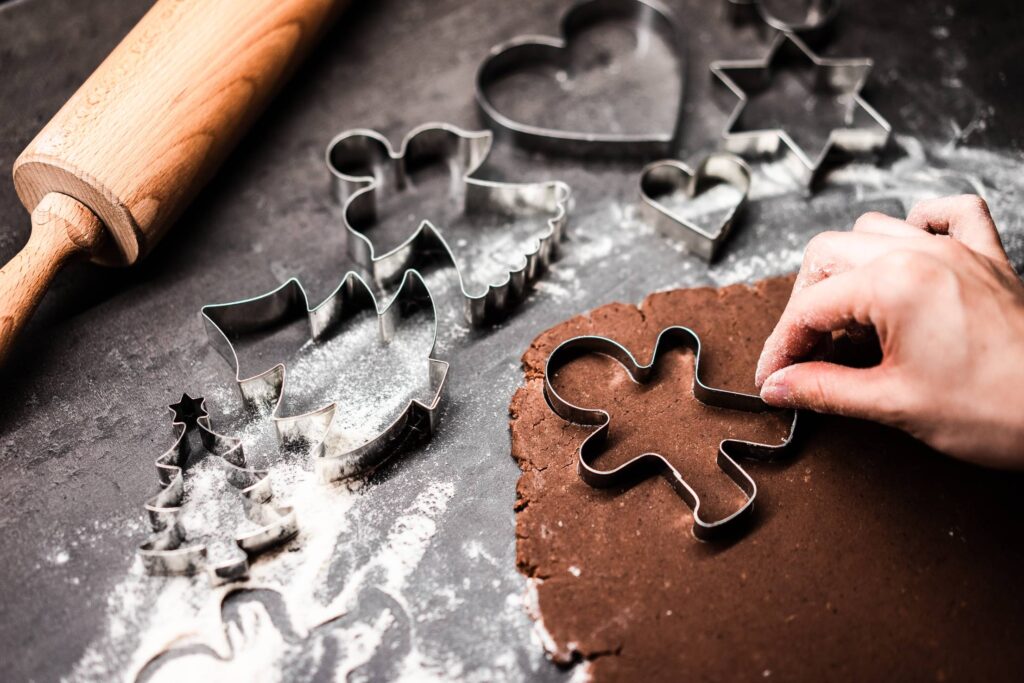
column 845, row 77
column 528, row 50
column 168, row 551
column 358, row 160
column 333, row 459
column 642, row 466
column 661, row 178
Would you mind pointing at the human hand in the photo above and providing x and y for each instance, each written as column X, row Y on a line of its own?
column 948, row 310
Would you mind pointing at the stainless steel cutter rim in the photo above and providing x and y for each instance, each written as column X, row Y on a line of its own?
column 524, row 50
column 640, row 373
column 759, row 142
column 496, row 296
column 285, row 302
column 165, row 507
column 813, row 22
column 721, row 166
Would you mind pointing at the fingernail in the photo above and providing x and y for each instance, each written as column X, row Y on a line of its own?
column 775, row 391
column 759, row 374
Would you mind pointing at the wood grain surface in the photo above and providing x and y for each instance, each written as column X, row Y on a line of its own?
column 154, row 121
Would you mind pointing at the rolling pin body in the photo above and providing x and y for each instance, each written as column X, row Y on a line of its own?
column 123, row 157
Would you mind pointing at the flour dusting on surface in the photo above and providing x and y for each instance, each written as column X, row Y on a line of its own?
column 356, row 592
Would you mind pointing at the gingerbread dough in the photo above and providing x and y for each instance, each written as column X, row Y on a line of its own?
column 871, row 557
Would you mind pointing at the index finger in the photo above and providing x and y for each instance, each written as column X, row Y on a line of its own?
column 965, row 218
column 832, row 304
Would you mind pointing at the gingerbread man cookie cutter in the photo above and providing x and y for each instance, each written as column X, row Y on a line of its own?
column 642, row 466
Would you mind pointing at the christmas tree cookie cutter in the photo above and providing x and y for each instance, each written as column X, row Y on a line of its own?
column 643, row 466
column 843, row 78
column 531, row 50
column 168, row 550
column 662, row 178
column 359, row 160
column 333, row 459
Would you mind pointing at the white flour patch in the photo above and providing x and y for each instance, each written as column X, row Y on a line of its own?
column 540, row 630
column 180, row 611
column 148, row 615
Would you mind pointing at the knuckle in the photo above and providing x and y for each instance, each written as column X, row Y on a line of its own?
column 920, row 206
column 899, row 262
column 974, row 204
column 814, row 254
column 824, row 394
column 865, row 222
column 898, row 408
column 948, row 248
column 820, row 245
column 822, row 240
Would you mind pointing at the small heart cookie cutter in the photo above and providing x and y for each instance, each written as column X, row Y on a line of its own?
column 818, row 17
column 527, row 50
column 661, row 178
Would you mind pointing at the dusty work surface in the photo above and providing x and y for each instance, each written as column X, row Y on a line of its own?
column 422, row 556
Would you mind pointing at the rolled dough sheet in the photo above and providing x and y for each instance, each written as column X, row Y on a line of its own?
column 871, row 557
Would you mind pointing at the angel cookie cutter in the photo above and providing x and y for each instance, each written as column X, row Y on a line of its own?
column 360, row 160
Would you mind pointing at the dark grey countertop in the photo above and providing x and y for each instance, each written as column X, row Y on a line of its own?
column 83, row 413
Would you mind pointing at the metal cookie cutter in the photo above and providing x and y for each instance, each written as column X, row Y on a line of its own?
column 644, row 465
column 359, row 160
column 662, row 178
column 530, row 50
column 333, row 459
column 842, row 77
column 169, row 551
column 818, row 16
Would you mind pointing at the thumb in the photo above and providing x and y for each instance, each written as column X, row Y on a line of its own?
column 830, row 388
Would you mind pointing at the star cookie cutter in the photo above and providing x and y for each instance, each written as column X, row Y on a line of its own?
column 168, row 550
column 844, row 77
column 358, row 160
column 332, row 460
column 668, row 176
column 528, row 50
column 644, row 465
column 818, row 17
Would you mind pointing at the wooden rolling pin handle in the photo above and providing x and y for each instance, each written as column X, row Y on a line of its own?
column 62, row 227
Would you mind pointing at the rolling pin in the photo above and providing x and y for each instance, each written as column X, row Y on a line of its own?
column 109, row 174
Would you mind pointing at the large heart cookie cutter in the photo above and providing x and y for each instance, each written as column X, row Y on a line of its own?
column 662, row 178
column 525, row 51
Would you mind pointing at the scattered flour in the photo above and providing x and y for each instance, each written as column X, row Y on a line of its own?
column 384, row 544
column 150, row 615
